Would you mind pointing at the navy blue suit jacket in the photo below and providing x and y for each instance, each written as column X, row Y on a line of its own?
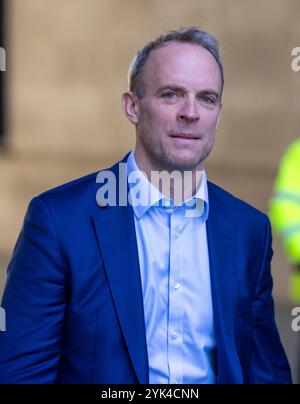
column 74, row 302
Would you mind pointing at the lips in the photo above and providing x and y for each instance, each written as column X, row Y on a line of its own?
column 184, row 135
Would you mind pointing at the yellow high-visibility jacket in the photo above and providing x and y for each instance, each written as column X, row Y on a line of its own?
column 285, row 210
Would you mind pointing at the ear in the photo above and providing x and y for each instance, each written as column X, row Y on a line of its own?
column 130, row 106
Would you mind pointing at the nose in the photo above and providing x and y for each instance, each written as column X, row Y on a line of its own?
column 189, row 111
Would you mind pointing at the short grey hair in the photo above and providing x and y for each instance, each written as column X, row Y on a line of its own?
column 191, row 35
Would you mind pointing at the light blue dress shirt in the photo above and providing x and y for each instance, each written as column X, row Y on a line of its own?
column 174, row 265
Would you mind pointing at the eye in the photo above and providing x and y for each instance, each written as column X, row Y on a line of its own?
column 169, row 95
column 208, row 100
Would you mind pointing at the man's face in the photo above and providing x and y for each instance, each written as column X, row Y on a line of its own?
column 176, row 120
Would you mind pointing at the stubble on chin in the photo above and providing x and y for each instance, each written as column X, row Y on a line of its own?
column 187, row 163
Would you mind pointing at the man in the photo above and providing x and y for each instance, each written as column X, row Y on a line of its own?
column 285, row 211
column 176, row 289
column 285, row 216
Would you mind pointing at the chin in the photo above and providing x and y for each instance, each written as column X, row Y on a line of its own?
column 186, row 164
column 187, row 161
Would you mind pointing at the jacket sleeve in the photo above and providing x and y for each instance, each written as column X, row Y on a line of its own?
column 34, row 300
column 268, row 364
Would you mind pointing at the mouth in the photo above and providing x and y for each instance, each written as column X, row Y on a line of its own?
column 185, row 136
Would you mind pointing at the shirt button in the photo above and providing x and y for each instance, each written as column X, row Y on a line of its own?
column 174, row 335
column 177, row 285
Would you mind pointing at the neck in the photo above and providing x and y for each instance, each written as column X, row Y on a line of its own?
column 177, row 184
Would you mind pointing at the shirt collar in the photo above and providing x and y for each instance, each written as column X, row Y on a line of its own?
column 155, row 197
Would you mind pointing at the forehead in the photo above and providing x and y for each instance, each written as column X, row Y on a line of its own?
column 183, row 64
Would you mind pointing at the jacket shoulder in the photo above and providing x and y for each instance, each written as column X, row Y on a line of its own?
column 235, row 206
column 79, row 187
column 76, row 185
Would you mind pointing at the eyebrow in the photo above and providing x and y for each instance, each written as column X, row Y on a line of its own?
column 179, row 88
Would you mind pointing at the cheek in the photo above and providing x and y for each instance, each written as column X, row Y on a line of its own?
column 210, row 121
column 162, row 115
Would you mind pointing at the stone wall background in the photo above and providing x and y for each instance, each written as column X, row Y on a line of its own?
column 66, row 69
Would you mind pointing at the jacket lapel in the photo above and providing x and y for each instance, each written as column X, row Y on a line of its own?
column 223, row 264
column 116, row 236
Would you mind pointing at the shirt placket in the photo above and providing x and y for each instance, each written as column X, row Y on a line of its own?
column 175, row 323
